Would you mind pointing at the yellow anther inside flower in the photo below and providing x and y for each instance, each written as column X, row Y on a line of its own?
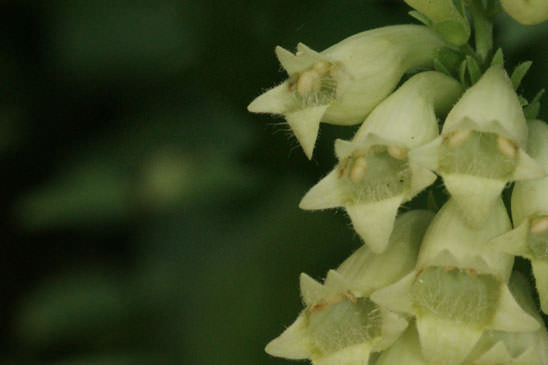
column 308, row 82
column 322, row 67
column 540, row 226
column 506, row 146
column 458, row 137
column 357, row 173
column 399, row 153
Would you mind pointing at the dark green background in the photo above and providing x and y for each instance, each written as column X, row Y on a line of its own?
column 146, row 217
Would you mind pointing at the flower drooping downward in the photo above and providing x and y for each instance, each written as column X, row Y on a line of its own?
column 342, row 84
column 374, row 175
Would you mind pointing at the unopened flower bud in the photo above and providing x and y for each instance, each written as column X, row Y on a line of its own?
column 526, row 12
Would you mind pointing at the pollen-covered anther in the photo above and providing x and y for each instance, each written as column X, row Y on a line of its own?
column 322, row 67
column 540, row 226
column 506, row 146
column 350, row 297
column 458, row 137
column 357, row 173
column 308, row 82
column 399, row 153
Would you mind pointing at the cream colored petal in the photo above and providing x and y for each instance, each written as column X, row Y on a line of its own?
column 498, row 354
column 305, row 124
column 325, row 194
column 528, row 168
column 336, row 283
column 294, row 343
column 352, row 355
column 374, row 221
column 492, row 98
column 513, row 242
column 407, row 347
column 540, row 271
column 292, row 63
column 528, row 357
column 526, row 12
column 510, row 316
column 421, row 178
column 396, row 297
column 311, row 290
column 427, row 155
column 393, row 326
column 475, row 196
column 446, row 342
column 274, row 101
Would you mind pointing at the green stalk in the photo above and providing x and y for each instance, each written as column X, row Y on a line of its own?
column 483, row 30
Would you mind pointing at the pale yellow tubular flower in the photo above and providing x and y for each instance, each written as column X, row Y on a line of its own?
column 529, row 238
column 375, row 175
column 526, row 12
column 514, row 348
column 340, row 324
column 481, row 147
column 342, row 84
column 458, row 290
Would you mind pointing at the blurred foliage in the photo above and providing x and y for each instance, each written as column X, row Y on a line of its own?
column 147, row 217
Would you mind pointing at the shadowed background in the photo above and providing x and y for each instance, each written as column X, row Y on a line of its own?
column 146, row 216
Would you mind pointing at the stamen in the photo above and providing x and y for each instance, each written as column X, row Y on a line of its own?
column 540, row 226
column 308, row 82
column 506, row 146
column 357, row 173
column 458, row 137
column 321, row 67
column 399, row 153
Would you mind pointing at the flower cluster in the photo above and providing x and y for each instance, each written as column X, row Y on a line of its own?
column 426, row 287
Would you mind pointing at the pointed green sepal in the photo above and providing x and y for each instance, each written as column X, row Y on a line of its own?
column 305, row 124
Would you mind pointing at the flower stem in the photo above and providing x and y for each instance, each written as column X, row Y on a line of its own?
column 483, row 29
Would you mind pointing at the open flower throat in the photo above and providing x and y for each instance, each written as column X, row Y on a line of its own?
column 379, row 173
column 479, row 154
column 315, row 86
column 458, row 295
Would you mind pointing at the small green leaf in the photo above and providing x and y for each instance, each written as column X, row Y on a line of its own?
column 450, row 58
column 498, row 58
column 522, row 100
column 519, row 73
column 420, row 17
column 474, row 69
column 532, row 110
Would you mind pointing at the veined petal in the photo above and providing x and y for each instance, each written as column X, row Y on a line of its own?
column 444, row 341
column 374, row 221
column 510, row 316
column 311, row 290
column 326, row 194
column 540, row 271
column 305, row 124
column 492, row 98
column 475, row 196
column 274, row 101
column 294, row 343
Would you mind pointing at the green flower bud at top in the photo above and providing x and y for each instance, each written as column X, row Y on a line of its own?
column 526, row 12
column 481, row 146
column 529, row 239
column 342, row 84
column 340, row 325
column 458, row 290
column 374, row 174
column 513, row 348
column 445, row 18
